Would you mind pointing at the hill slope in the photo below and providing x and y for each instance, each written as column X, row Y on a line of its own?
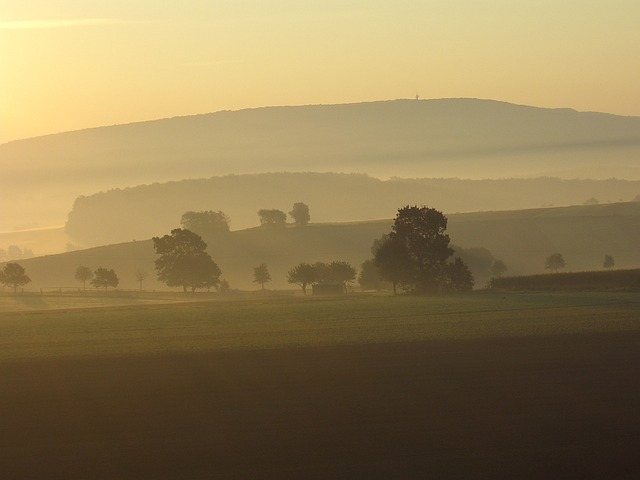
column 522, row 239
column 142, row 212
column 436, row 138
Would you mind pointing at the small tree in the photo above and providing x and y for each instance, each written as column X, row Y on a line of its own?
column 105, row 278
column 223, row 286
column 458, row 276
column 498, row 268
column 206, row 222
column 83, row 274
column 141, row 276
column 554, row 262
column 261, row 275
column 272, row 218
column 340, row 272
column 608, row 262
column 393, row 262
column 303, row 274
column 300, row 214
column 14, row 275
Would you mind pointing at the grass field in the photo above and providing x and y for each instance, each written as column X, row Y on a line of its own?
column 479, row 386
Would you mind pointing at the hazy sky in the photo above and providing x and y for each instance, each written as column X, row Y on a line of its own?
column 71, row 64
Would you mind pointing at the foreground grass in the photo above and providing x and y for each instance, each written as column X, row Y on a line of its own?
column 29, row 302
column 524, row 386
column 131, row 326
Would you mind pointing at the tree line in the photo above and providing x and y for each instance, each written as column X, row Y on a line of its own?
column 414, row 256
column 210, row 223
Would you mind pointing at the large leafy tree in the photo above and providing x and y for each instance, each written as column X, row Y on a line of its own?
column 104, row 278
column 339, row 272
column 206, row 222
column 303, row 274
column 14, row 275
column 300, row 214
column 415, row 254
column 272, row 218
column 392, row 258
column 184, row 261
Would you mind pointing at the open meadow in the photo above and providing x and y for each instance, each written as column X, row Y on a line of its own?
column 484, row 385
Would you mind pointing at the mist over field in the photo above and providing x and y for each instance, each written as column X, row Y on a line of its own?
column 128, row 183
column 463, row 138
column 226, row 251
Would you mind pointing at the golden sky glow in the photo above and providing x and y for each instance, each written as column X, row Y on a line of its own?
column 73, row 64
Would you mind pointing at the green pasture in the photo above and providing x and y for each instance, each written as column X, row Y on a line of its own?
column 115, row 325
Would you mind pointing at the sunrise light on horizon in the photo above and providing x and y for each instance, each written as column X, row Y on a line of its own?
column 76, row 65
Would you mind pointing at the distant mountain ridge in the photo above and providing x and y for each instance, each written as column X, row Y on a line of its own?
column 466, row 138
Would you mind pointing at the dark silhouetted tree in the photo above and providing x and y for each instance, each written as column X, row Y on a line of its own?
column 393, row 261
column 261, row 275
column 184, row 262
column 207, row 223
column 339, row 272
column 498, row 268
column 554, row 262
column 103, row 278
column 82, row 275
column 300, row 214
column 303, row 274
column 141, row 276
column 272, row 218
column 608, row 262
column 458, row 276
column 416, row 251
column 14, row 275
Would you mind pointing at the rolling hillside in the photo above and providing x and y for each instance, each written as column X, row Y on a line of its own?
column 522, row 239
column 428, row 138
column 122, row 215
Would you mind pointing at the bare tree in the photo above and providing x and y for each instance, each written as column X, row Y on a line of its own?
column 141, row 276
column 83, row 274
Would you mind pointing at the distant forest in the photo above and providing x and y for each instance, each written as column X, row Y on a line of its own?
column 138, row 213
column 447, row 138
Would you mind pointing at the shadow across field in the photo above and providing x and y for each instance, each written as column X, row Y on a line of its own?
column 563, row 406
column 472, row 386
